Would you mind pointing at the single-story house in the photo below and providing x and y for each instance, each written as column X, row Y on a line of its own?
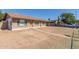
column 17, row 21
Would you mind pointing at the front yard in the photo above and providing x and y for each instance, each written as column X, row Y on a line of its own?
column 32, row 38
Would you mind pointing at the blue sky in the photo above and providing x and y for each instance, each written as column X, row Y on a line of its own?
column 42, row 13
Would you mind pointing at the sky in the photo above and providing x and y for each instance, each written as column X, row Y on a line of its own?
column 42, row 13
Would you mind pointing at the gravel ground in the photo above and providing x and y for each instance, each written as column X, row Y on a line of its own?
column 32, row 39
column 60, row 30
column 65, row 31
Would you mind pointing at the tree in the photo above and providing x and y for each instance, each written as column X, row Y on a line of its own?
column 1, row 16
column 77, row 21
column 49, row 21
column 0, row 12
column 58, row 21
column 68, row 18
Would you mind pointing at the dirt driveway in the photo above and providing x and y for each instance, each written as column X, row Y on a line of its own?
column 31, row 38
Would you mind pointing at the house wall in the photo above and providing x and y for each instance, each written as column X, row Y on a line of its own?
column 1, row 23
column 29, row 24
column 16, row 25
column 43, row 23
column 36, row 24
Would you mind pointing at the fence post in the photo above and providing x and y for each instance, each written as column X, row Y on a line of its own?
column 72, row 39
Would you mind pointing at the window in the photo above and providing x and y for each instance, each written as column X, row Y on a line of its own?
column 22, row 23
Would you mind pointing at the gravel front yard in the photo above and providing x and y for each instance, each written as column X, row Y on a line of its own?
column 31, row 38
